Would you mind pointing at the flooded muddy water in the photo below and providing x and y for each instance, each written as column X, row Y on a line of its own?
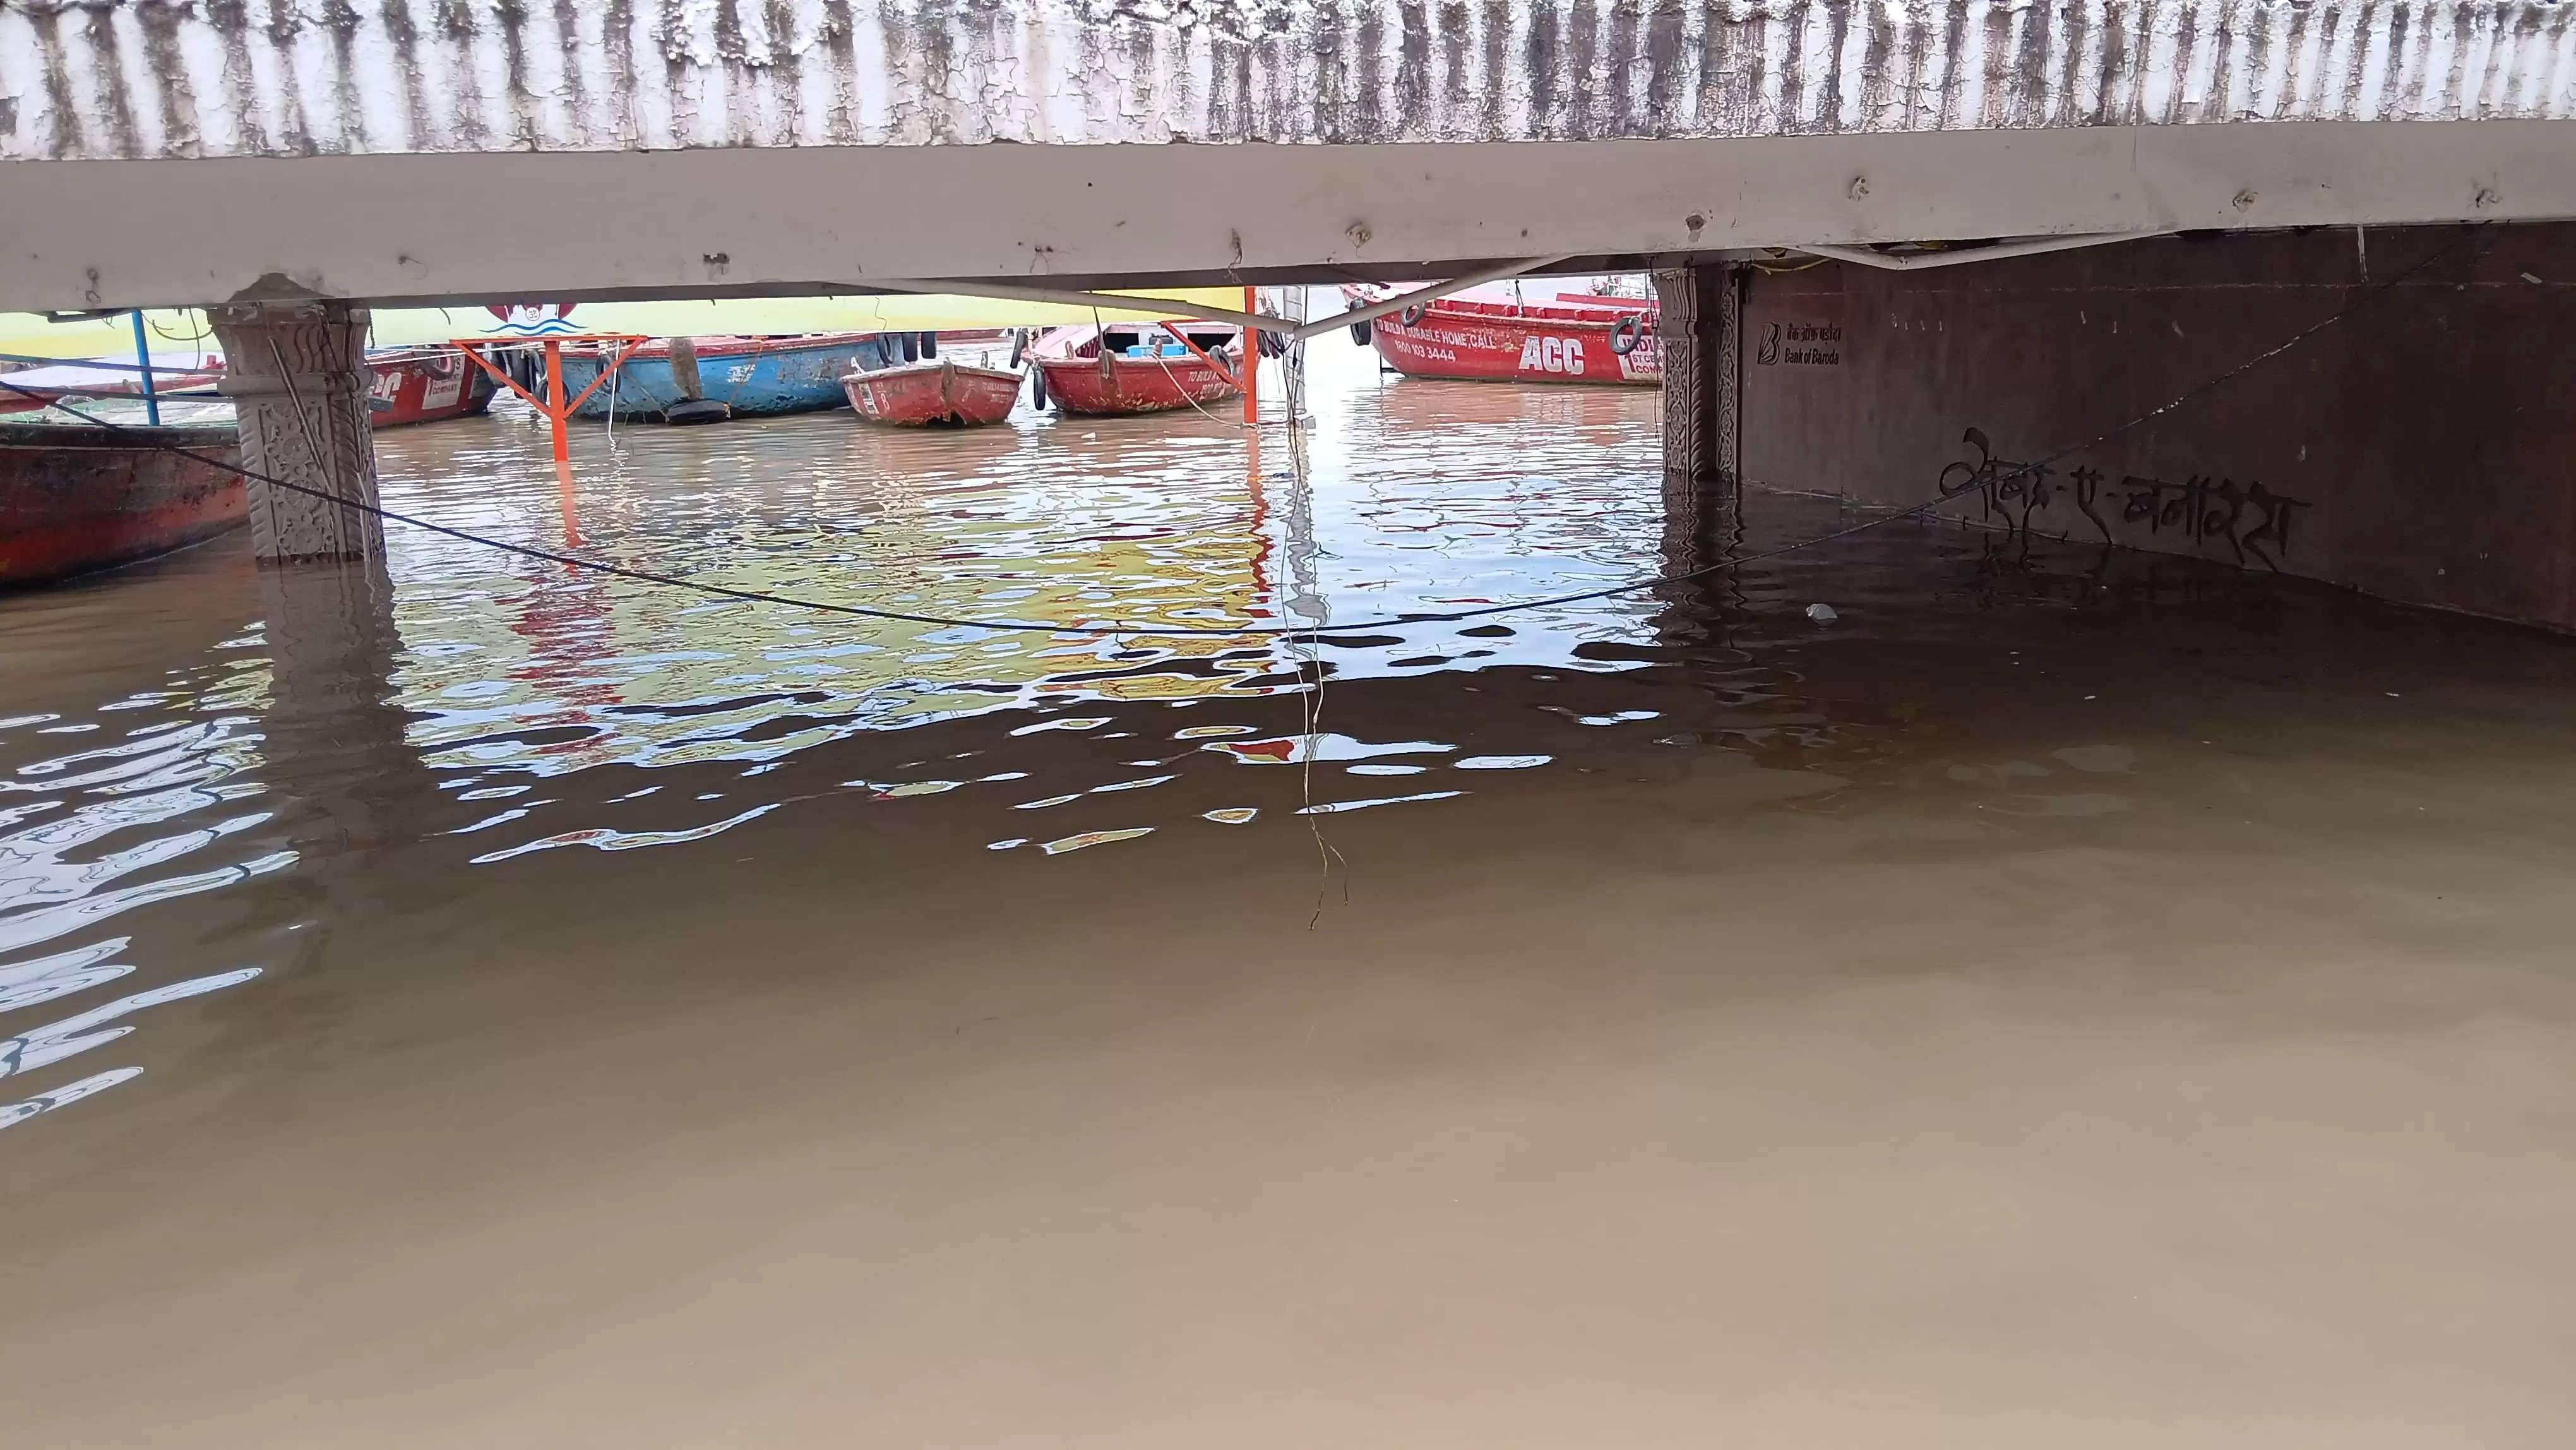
column 2071, row 998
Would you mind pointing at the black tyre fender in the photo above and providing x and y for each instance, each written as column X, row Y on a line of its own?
column 1411, row 316
column 1019, row 345
column 1361, row 332
column 1037, row 389
column 1626, row 333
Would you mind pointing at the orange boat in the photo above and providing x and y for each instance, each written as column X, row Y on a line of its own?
column 1138, row 367
column 933, row 394
column 74, row 497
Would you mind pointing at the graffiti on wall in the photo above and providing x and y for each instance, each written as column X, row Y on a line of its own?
column 2251, row 522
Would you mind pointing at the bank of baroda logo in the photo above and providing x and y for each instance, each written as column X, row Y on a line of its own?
column 1769, row 352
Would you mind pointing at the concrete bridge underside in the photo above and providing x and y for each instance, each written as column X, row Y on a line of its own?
column 161, row 153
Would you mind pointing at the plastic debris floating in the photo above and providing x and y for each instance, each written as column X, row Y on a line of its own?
column 1298, row 749
column 1328, row 808
column 919, row 787
column 1094, row 838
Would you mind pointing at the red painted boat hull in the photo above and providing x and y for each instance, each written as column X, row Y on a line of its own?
column 1482, row 341
column 76, row 498
column 425, row 386
column 1133, row 385
column 933, row 394
column 410, row 385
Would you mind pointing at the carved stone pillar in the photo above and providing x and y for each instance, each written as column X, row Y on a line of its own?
column 1696, row 329
column 296, row 372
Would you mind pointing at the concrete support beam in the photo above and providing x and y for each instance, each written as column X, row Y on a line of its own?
column 296, row 372
column 791, row 221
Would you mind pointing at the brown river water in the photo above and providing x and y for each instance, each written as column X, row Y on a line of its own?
column 2073, row 999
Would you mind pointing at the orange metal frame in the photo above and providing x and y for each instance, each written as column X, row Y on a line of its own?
column 1204, row 355
column 557, row 412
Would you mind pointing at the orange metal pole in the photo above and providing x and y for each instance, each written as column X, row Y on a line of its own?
column 565, row 501
column 556, row 409
column 1251, row 362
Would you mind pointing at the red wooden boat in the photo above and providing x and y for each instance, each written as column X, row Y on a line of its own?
column 1490, row 334
column 424, row 385
column 408, row 385
column 75, row 497
column 74, row 378
column 1148, row 367
column 927, row 394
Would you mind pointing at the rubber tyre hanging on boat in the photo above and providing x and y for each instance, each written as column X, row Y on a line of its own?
column 911, row 346
column 689, row 411
column 930, row 344
column 1626, row 333
column 1361, row 332
column 1019, row 345
column 1411, row 316
column 1037, row 388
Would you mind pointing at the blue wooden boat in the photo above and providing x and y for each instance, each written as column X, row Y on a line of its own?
column 702, row 379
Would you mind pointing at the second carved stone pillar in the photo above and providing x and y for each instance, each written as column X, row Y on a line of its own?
column 1695, row 329
column 1696, row 326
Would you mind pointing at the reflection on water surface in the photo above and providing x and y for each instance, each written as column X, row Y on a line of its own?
column 950, row 988
column 513, row 678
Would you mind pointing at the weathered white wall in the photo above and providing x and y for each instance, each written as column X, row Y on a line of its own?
column 191, row 78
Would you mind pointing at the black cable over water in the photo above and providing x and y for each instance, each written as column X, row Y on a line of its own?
column 754, row 596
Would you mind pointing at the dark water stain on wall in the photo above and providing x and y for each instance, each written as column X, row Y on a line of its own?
column 1412, row 72
column 341, row 21
column 1543, row 54
column 1582, row 55
column 405, row 36
column 453, row 20
column 108, row 70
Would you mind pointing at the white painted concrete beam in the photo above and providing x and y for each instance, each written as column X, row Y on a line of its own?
column 568, row 225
